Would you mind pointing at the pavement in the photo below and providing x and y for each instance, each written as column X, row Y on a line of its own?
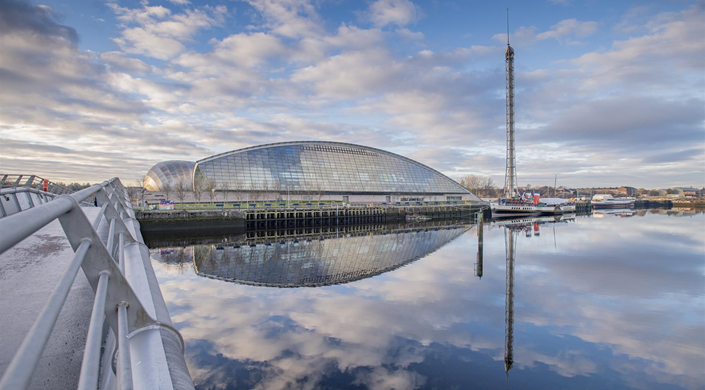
column 28, row 273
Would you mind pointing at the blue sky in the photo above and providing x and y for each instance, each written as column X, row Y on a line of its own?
column 608, row 93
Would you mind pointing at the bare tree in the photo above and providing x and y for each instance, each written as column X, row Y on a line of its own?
column 254, row 191
column 488, row 186
column 238, row 188
column 133, row 193
column 198, row 184
column 265, row 191
column 472, row 183
column 277, row 188
column 180, row 190
column 316, row 190
column 141, row 181
column 209, row 187
column 167, row 189
column 225, row 189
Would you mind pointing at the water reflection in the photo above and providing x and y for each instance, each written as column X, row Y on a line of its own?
column 321, row 260
column 609, row 303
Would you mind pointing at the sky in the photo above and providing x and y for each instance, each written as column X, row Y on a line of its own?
column 607, row 93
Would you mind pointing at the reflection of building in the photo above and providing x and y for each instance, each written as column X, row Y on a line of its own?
column 333, row 170
column 312, row 262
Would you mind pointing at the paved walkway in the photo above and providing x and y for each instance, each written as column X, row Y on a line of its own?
column 28, row 273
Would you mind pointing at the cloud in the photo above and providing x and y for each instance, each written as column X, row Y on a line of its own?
column 565, row 31
column 289, row 18
column 569, row 28
column 399, row 12
column 678, row 156
column 160, row 34
column 119, row 63
column 20, row 17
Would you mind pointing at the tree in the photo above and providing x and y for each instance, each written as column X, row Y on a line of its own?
column 238, row 188
column 209, row 187
column 167, row 189
column 653, row 193
column 225, row 189
column 488, row 186
column 265, row 191
column 133, row 193
column 180, row 190
column 471, row 182
column 141, row 181
column 198, row 184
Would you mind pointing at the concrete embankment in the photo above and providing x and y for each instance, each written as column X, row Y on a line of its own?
column 170, row 220
column 652, row 204
column 173, row 220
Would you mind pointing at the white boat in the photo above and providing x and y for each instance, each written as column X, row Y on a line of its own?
column 607, row 201
column 524, row 207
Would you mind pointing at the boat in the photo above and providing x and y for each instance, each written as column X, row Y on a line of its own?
column 607, row 201
column 527, row 206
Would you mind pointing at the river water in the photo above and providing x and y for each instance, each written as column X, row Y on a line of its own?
column 608, row 301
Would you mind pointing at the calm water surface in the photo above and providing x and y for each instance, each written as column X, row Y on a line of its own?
column 600, row 302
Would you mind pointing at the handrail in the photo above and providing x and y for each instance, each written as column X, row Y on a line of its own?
column 116, row 301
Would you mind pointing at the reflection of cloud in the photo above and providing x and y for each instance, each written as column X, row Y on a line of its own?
column 640, row 329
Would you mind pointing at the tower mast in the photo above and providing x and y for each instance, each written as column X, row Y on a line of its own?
column 510, row 175
column 510, row 242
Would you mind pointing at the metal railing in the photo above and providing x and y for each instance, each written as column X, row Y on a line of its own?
column 141, row 337
column 21, row 192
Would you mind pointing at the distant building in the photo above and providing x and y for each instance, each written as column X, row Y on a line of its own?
column 688, row 191
column 326, row 170
column 628, row 191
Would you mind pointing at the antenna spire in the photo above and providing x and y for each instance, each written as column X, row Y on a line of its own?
column 507, row 26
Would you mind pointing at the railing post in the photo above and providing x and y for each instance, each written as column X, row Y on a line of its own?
column 91, row 355
column 124, row 368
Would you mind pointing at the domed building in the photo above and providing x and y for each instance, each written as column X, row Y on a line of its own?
column 169, row 172
column 326, row 170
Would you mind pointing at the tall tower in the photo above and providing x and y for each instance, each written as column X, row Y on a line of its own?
column 510, row 237
column 510, row 175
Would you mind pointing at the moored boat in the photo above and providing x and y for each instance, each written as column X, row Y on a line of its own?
column 607, row 201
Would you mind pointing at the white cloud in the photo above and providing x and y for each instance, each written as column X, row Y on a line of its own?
column 565, row 31
column 160, row 33
column 400, row 12
column 289, row 18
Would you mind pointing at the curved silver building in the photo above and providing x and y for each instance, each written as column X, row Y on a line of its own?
column 169, row 172
column 334, row 169
column 328, row 170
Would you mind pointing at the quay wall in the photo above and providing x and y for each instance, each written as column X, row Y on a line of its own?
column 271, row 218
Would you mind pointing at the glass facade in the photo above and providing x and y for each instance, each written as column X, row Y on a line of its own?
column 323, row 166
column 169, row 172
column 319, row 263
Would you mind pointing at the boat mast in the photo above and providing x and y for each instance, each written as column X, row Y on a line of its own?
column 510, row 175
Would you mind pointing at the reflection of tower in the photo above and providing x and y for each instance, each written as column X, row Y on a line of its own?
column 480, row 240
column 510, row 175
column 510, row 241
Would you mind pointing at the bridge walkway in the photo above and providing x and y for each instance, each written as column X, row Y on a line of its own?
column 28, row 273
